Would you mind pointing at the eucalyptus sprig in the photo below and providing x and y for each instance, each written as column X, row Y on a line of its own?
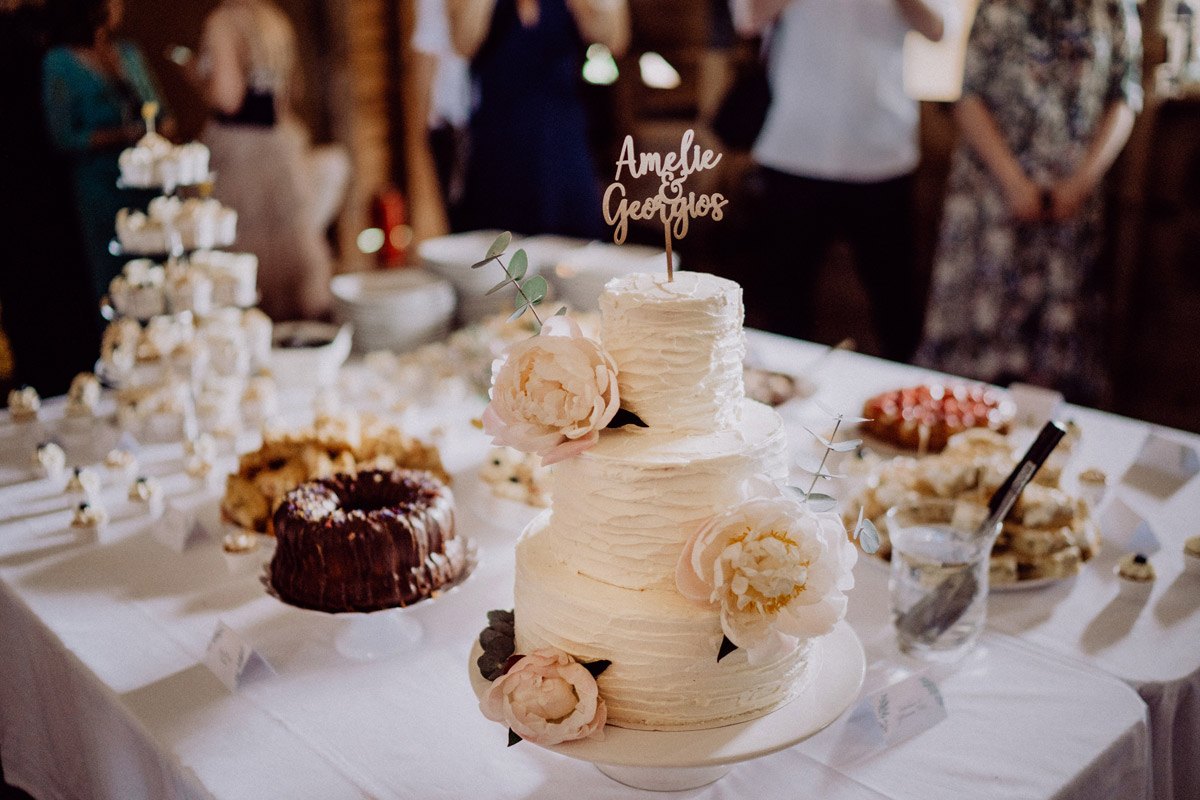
column 864, row 532
column 530, row 291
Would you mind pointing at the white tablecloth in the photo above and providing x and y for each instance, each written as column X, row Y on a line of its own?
column 105, row 695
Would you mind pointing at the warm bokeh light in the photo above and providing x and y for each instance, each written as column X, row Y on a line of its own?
column 657, row 72
column 600, row 68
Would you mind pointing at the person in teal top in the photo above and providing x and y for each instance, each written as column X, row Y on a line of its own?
column 94, row 86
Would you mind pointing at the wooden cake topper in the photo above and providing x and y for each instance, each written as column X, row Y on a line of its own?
column 674, row 208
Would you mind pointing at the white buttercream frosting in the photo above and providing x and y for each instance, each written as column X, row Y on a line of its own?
column 663, row 648
column 678, row 346
column 623, row 509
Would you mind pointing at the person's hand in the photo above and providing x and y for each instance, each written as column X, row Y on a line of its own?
column 1068, row 197
column 1024, row 200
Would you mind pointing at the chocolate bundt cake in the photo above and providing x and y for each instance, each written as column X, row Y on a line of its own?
column 367, row 542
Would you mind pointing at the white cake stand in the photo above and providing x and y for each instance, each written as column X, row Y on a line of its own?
column 375, row 635
column 668, row 761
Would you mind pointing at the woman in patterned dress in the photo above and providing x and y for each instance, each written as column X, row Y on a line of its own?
column 1049, row 96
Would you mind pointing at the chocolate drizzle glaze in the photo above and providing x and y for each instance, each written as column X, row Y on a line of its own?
column 362, row 543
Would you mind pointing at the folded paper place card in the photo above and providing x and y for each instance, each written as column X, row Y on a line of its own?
column 1163, row 465
column 232, row 659
column 178, row 527
column 1127, row 529
column 906, row 708
column 1035, row 405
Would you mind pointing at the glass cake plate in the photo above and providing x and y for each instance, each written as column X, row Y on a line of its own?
column 678, row 760
column 375, row 635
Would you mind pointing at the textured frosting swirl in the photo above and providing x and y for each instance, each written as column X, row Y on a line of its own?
column 623, row 510
column 664, row 673
column 678, row 346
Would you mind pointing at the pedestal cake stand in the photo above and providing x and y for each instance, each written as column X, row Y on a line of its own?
column 678, row 760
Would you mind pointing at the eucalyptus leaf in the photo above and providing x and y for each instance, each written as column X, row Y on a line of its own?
column 537, row 325
column 867, row 535
column 516, row 315
column 817, row 436
column 497, row 287
column 479, row 264
column 518, row 265
column 813, row 467
column 561, row 311
column 845, row 447
column 836, row 415
column 499, row 245
column 803, row 495
column 821, row 502
column 535, row 289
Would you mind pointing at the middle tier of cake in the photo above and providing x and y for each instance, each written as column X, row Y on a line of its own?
column 623, row 510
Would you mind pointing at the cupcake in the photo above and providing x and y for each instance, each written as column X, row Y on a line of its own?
column 1135, row 573
column 50, row 460
column 1093, row 484
column 23, row 404
column 89, row 517
column 121, row 462
column 1191, row 555
column 148, row 491
column 83, row 396
column 83, row 480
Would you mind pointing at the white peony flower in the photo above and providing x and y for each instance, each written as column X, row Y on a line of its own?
column 776, row 569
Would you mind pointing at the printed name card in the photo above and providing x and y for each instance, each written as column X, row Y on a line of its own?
column 906, row 708
column 1035, row 405
column 1127, row 529
column 232, row 659
column 178, row 527
column 1162, row 466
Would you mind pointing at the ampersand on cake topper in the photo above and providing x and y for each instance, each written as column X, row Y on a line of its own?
column 671, row 205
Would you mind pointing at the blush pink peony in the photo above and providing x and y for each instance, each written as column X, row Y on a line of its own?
column 547, row 697
column 552, row 393
column 776, row 570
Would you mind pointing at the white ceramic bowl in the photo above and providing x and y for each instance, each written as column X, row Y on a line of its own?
column 393, row 309
column 308, row 354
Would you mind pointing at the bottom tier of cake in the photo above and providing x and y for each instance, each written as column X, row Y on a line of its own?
column 663, row 648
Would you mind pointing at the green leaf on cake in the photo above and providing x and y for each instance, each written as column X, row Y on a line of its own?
column 497, row 287
column 597, row 667
column 561, row 311
column 868, row 536
column 516, row 315
column 727, row 647
column 518, row 265
column 845, row 447
column 820, row 502
column 499, row 245
column 535, row 289
column 513, row 738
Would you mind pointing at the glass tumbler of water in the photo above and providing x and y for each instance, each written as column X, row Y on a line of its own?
column 939, row 580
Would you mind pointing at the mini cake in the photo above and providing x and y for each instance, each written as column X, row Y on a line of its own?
column 23, row 404
column 234, row 276
column 188, row 289
column 149, row 491
column 122, row 462
column 1136, row 575
column 925, row 417
column 88, row 515
column 238, row 549
column 50, row 459
column 83, row 481
column 138, row 291
column 378, row 540
column 84, row 395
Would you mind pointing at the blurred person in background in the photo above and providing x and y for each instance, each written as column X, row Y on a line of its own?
column 286, row 191
column 1049, row 96
column 836, row 157
column 46, row 297
column 94, row 88
column 529, row 167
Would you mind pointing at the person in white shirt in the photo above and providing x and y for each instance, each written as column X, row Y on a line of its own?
column 836, row 155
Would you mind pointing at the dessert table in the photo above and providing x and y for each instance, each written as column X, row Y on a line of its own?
column 104, row 691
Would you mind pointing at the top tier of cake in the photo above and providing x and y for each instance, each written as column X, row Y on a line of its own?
column 678, row 346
